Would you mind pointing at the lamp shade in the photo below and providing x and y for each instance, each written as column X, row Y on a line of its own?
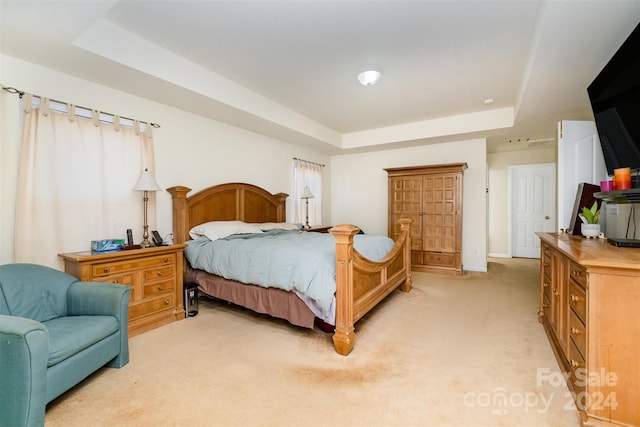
column 146, row 182
column 307, row 194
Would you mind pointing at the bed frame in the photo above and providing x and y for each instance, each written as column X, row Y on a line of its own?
column 360, row 283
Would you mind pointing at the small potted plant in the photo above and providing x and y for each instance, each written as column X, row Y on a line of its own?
column 590, row 226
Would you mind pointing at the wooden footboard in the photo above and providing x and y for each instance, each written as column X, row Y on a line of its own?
column 361, row 284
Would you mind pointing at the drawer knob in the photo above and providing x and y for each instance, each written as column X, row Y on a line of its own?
column 166, row 302
column 166, row 260
column 575, row 331
column 545, row 305
column 545, row 284
column 107, row 269
column 115, row 281
column 574, row 364
column 160, row 287
column 574, row 298
column 159, row 273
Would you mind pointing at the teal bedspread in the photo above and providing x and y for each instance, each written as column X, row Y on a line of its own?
column 289, row 260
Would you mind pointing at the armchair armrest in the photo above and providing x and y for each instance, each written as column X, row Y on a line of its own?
column 24, row 352
column 103, row 299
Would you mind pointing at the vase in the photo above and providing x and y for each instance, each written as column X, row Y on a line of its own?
column 590, row 230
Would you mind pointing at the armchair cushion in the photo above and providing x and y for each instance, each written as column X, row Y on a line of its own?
column 87, row 330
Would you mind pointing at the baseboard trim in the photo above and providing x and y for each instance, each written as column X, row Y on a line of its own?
column 478, row 269
column 499, row 255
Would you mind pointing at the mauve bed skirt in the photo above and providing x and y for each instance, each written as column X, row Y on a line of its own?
column 272, row 301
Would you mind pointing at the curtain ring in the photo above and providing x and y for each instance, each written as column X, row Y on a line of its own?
column 116, row 123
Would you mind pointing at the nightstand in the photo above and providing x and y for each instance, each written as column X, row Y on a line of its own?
column 319, row 228
column 155, row 275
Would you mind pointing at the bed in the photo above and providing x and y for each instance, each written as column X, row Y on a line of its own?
column 360, row 284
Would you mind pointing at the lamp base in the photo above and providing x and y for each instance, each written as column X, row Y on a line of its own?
column 146, row 244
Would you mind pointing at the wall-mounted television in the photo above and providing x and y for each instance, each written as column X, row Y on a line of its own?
column 615, row 100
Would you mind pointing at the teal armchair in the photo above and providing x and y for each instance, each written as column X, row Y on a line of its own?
column 54, row 331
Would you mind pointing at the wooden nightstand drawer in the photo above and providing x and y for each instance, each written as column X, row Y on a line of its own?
column 166, row 272
column 147, row 307
column 157, row 288
column 121, row 279
column 132, row 264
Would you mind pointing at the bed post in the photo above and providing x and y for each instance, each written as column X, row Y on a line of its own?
column 179, row 203
column 405, row 224
column 344, row 337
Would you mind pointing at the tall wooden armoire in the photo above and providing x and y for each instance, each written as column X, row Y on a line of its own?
column 432, row 197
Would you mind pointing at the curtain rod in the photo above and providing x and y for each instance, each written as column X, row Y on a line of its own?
column 20, row 94
column 313, row 163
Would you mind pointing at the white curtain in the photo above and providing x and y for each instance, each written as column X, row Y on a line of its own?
column 75, row 180
column 307, row 174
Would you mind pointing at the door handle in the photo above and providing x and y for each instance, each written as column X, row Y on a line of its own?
column 546, row 217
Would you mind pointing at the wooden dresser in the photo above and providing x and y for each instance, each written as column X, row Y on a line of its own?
column 155, row 275
column 432, row 197
column 590, row 310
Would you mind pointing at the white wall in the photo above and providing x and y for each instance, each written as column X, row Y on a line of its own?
column 190, row 150
column 359, row 189
column 498, row 196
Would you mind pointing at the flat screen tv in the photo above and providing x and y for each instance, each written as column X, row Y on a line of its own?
column 615, row 100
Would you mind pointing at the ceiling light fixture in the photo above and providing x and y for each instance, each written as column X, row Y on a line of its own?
column 369, row 77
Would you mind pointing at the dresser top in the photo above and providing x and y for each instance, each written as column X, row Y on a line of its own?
column 593, row 252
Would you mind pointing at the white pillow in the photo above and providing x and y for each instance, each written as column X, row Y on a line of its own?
column 219, row 229
column 266, row 226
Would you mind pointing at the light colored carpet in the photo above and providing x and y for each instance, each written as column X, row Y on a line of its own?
column 452, row 352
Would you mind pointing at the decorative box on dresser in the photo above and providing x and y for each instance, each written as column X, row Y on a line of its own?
column 590, row 310
column 432, row 197
column 155, row 275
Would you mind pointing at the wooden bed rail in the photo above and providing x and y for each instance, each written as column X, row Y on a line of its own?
column 361, row 283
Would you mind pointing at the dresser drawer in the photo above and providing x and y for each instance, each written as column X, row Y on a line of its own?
column 578, row 300
column 578, row 275
column 577, row 331
column 546, row 261
column 157, row 288
column 440, row 259
column 110, row 268
column 578, row 370
column 546, row 307
column 546, row 287
column 146, row 307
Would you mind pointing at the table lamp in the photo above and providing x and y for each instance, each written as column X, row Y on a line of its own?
column 146, row 183
column 306, row 196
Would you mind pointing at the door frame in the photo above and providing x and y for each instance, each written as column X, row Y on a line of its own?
column 510, row 198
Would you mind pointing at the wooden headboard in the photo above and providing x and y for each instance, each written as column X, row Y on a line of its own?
column 224, row 202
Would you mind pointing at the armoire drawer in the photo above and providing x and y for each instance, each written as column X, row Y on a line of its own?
column 441, row 259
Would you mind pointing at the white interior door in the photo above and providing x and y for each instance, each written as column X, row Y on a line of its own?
column 533, row 207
